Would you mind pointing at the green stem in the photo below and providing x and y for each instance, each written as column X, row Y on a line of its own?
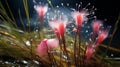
column 51, row 5
column 25, row 2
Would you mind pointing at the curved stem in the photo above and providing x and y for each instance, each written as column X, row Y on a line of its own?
column 114, row 31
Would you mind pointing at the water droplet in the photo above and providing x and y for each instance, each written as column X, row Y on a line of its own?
column 86, row 31
column 71, row 44
column 95, row 17
column 93, row 13
column 36, row 30
column 7, row 62
column 67, row 4
column 57, row 6
column 64, row 56
column 36, row 61
column 28, row 43
column 61, row 4
column 62, row 13
column 95, row 9
column 79, row 5
column 25, row 62
column 48, row 13
column 112, row 55
column 90, row 39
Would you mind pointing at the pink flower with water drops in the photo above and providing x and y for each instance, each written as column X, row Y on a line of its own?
column 101, row 36
column 41, row 10
column 96, row 26
column 89, row 52
column 79, row 17
column 59, row 26
column 45, row 45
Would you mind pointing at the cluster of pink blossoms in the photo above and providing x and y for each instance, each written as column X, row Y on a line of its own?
column 59, row 26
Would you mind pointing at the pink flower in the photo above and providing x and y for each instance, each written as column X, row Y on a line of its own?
column 89, row 52
column 101, row 36
column 41, row 10
column 45, row 45
column 57, row 33
column 96, row 26
column 75, row 30
column 52, row 43
column 79, row 17
column 59, row 26
column 42, row 48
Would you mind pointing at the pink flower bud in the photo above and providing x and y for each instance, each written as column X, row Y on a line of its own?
column 41, row 10
column 42, row 48
column 101, row 36
column 45, row 45
column 59, row 26
column 89, row 52
column 79, row 17
column 96, row 26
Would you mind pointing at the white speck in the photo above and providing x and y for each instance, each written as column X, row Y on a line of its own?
column 6, row 62
column 48, row 14
column 35, row 36
column 57, row 6
column 95, row 17
column 28, row 43
column 67, row 4
column 62, row 13
column 86, row 31
column 64, row 56
column 79, row 5
column 90, row 39
column 93, row 13
column 36, row 61
column 112, row 55
column 88, row 3
column 36, row 30
column 25, row 62
column 62, row 4
column 71, row 44
column 95, row 8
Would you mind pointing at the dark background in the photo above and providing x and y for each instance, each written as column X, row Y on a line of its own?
column 106, row 9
